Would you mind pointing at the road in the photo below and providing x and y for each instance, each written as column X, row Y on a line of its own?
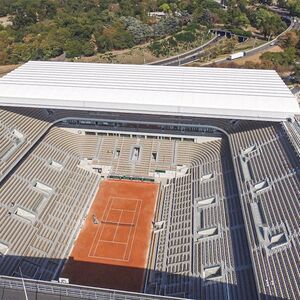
column 192, row 55
column 297, row 24
column 186, row 57
column 268, row 45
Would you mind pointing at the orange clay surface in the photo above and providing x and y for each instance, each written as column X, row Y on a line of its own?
column 113, row 253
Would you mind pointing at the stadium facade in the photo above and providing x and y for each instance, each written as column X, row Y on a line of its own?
column 223, row 145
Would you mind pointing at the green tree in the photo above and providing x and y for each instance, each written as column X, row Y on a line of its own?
column 114, row 37
column 294, row 7
column 268, row 22
column 286, row 58
column 290, row 39
column 240, row 20
column 165, row 7
column 73, row 48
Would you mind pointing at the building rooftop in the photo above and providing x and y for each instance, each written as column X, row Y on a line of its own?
column 203, row 92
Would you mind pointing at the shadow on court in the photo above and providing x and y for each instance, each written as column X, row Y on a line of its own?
column 12, row 287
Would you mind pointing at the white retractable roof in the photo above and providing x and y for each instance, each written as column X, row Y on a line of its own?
column 203, row 92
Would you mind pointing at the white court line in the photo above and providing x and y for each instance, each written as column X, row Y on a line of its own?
column 129, row 210
column 117, row 226
column 100, row 237
column 107, row 213
column 119, row 209
column 115, row 242
column 133, row 238
column 128, row 199
column 96, row 235
column 129, row 235
column 110, row 258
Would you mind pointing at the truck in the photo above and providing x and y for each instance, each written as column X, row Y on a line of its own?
column 237, row 55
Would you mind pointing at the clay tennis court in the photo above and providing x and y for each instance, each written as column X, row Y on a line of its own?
column 112, row 247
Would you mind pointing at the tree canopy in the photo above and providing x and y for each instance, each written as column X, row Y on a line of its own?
column 43, row 29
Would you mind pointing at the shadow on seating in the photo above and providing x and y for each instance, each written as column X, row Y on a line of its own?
column 91, row 275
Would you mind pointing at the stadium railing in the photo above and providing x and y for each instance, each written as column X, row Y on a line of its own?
column 75, row 291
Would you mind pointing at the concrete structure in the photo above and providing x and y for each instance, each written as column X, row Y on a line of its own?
column 227, row 221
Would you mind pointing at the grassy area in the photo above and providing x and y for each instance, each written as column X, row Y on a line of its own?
column 256, row 57
column 249, row 44
column 135, row 55
column 224, row 49
column 6, row 69
column 141, row 54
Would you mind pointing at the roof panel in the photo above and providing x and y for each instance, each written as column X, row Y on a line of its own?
column 213, row 92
